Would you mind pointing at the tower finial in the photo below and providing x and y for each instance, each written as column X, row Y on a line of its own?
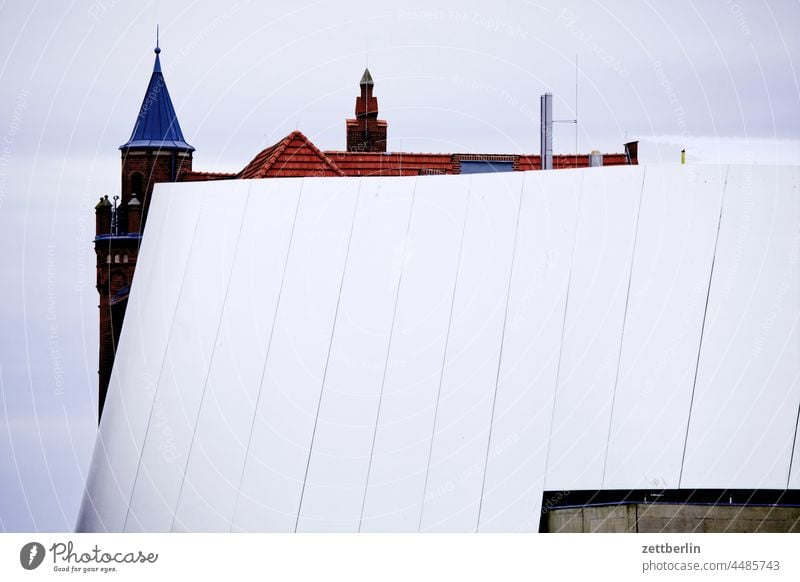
column 158, row 49
column 366, row 79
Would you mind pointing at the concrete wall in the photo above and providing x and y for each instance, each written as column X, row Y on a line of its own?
column 651, row 518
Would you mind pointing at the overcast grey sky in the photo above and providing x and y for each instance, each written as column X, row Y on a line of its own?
column 718, row 77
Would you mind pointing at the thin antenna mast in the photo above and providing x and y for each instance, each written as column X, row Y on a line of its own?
column 575, row 121
column 576, row 110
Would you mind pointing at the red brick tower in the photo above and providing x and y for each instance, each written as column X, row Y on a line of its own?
column 156, row 152
column 366, row 133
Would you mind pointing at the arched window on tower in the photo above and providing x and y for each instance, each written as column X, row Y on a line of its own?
column 136, row 185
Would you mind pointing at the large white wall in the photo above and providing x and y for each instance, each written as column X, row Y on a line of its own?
column 432, row 353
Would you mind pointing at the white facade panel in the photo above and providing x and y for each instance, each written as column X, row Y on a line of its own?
column 340, row 455
column 745, row 406
column 183, row 376
column 595, row 312
column 151, row 308
column 671, row 272
column 214, row 470
column 794, row 473
column 458, row 452
column 405, row 421
column 512, row 492
column 277, row 460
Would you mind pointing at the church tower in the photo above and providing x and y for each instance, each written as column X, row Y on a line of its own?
column 156, row 152
column 366, row 133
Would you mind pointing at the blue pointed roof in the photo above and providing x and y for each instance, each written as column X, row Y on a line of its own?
column 157, row 124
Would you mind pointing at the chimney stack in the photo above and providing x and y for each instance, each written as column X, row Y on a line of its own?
column 103, row 217
column 134, row 215
column 546, row 130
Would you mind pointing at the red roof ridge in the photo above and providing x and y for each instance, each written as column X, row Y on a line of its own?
column 274, row 152
column 330, row 163
column 277, row 150
column 358, row 153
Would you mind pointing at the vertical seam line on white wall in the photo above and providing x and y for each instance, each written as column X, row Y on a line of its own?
column 100, row 446
column 622, row 331
column 500, row 355
column 563, row 330
column 388, row 351
column 797, row 418
column 211, row 358
column 444, row 354
column 328, row 356
column 794, row 446
column 266, row 355
column 703, row 324
column 164, row 357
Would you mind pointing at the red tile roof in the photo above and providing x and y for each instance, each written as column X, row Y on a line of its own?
column 391, row 164
column 565, row 161
column 293, row 156
column 296, row 156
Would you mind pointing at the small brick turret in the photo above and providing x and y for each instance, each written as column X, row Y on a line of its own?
column 134, row 215
column 366, row 133
column 102, row 212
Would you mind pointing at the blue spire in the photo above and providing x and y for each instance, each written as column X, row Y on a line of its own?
column 157, row 124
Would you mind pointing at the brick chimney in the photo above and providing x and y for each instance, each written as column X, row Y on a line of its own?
column 102, row 213
column 134, row 215
column 366, row 133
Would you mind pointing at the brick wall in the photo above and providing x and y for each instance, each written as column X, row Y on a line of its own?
column 113, row 275
column 366, row 135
